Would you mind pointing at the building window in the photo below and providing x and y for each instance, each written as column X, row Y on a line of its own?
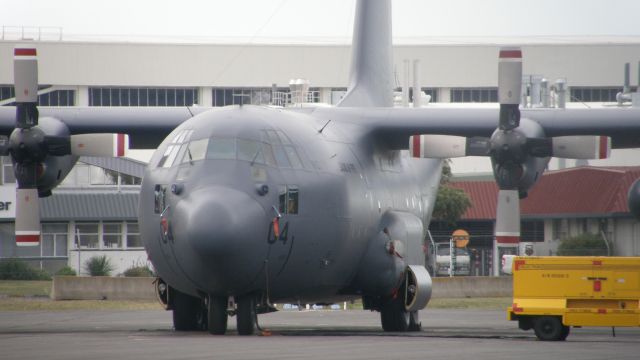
column 133, row 235
column 8, row 176
column 112, row 235
column 475, row 95
column 532, row 231
column 115, row 96
column 594, row 94
column 88, row 175
column 54, row 240
column 52, row 98
column 87, row 235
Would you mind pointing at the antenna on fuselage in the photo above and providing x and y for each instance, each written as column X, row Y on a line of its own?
column 324, row 126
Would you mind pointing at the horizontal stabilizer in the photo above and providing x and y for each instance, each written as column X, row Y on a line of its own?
column 105, row 145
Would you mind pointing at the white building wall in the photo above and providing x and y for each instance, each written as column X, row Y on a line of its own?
column 120, row 259
column 139, row 64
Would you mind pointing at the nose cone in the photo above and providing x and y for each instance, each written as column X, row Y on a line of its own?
column 226, row 232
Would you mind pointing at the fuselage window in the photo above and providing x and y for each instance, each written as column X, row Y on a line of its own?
column 288, row 199
column 223, row 149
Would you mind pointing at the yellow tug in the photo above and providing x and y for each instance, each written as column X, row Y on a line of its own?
column 551, row 294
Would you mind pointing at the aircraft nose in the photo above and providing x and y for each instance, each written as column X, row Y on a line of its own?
column 226, row 230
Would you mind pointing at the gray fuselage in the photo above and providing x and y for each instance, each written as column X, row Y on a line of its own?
column 220, row 179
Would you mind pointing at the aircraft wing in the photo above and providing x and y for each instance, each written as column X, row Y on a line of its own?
column 394, row 126
column 146, row 126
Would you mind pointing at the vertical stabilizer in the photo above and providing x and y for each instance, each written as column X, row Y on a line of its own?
column 370, row 80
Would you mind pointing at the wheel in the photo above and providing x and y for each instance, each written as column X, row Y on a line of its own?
column 189, row 313
column 565, row 333
column 549, row 328
column 246, row 315
column 217, row 315
column 393, row 315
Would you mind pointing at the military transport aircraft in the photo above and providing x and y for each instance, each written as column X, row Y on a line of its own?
column 245, row 206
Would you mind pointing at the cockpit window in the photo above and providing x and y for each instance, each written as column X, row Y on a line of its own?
column 219, row 148
column 294, row 159
column 250, row 151
column 281, row 156
column 196, row 150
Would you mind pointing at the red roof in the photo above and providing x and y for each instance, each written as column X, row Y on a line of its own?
column 578, row 191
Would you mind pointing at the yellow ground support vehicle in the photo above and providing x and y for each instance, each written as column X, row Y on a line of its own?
column 551, row 294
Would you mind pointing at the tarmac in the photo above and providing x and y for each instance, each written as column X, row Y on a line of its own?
column 325, row 334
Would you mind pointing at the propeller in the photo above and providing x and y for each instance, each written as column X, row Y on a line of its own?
column 30, row 144
column 518, row 148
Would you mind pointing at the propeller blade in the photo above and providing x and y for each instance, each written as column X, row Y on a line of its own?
column 509, row 87
column 105, row 145
column 581, row 147
column 508, row 217
column 25, row 75
column 27, row 217
column 447, row 146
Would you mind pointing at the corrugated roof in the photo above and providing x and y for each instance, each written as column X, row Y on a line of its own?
column 85, row 205
column 122, row 165
column 576, row 191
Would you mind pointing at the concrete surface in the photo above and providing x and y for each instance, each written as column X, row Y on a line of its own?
column 447, row 334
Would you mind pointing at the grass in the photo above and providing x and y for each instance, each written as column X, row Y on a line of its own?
column 40, row 304
column 24, row 288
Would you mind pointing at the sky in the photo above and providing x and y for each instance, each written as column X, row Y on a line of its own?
column 317, row 20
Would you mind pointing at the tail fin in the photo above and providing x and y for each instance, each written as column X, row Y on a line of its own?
column 370, row 80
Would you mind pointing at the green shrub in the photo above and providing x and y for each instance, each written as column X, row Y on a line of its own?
column 66, row 271
column 138, row 271
column 583, row 245
column 99, row 266
column 14, row 269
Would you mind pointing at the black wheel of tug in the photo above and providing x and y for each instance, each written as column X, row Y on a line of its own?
column 565, row 333
column 246, row 315
column 217, row 314
column 549, row 328
column 393, row 315
column 189, row 313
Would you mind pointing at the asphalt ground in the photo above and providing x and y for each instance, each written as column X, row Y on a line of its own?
column 447, row 334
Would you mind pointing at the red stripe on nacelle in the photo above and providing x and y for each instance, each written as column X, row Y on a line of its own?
column 27, row 239
column 604, row 147
column 24, row 52
column 120, row 143
column 508, row 239
column 416, row 146
column 510, row 54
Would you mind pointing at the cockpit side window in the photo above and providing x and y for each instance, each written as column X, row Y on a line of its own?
column 171, row 153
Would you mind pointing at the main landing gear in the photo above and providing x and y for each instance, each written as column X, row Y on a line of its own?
column 211, row 314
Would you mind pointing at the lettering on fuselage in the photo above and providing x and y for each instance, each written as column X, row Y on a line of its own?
column 347, row 167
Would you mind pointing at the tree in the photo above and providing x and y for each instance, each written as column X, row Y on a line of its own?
column 583, row 245
column 451, row 203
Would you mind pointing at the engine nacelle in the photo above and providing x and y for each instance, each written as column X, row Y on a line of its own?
column 418, row 288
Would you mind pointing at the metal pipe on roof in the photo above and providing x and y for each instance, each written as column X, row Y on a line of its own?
column 417, row 89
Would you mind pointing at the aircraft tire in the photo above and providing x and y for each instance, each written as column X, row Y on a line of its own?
column 217, row 315
column 393, row 315
column 246, row 315
column 549, row 328
column 188, row 312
